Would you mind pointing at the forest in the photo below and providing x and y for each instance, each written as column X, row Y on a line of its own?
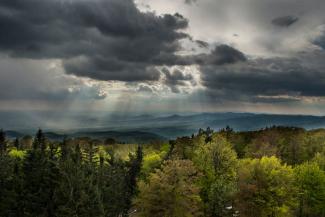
column 272, row 172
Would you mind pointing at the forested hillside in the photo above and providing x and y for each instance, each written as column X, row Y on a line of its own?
column 272, row 172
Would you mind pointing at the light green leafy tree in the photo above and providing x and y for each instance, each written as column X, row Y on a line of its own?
column 311, row 184
column 170, row 191
column 218, row 162
column 266, row 188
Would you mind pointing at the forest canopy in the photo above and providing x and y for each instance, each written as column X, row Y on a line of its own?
column 272, row 172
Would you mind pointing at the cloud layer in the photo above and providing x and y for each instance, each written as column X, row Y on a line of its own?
column 249, row 51
column 101, row 39
column 273, row 78
column 29, row 80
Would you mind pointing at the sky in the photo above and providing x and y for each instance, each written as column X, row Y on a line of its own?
column 163, row 56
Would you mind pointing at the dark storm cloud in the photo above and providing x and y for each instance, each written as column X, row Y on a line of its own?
column 284, row 21
column 111, row 69
column 219, row 55
column 110, row 39
column 100, row 39
column 224, row 54
column 175, row 78
column 272, row 79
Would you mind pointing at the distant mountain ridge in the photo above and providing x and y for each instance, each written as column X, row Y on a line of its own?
column 150, row 126
column 124, row 137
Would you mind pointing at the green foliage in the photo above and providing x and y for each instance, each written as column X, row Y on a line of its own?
column 191, row 176
column 183, row 148
column 77, row 193
column 134, row 169
column 114, row 189
column 292, row 145
column 218, row 163
column 17, row 144
column 40, row 175
column 153, row 159
column 170, row 192
column 26, row 142
column 319, row 159
column 150, row 162
column 6, row 181
column 39, row 141
column 20, row 154
column 310, row 180
column 266, row 188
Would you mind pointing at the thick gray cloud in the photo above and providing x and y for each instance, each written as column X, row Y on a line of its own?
column 284, row 21
column 224, row 54
column 270, row 79
column 113, row 40
column 175, row 79
column 105, row 37
column 100, row 39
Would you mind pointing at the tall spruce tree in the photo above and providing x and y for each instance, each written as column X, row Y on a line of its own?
column 3, row 144
column 134, row 170
column 17, row 144
column 65, row 150
column 6, row 184
column 40, row 141
column 78, row 193
column 115, row 193
column 41, row 177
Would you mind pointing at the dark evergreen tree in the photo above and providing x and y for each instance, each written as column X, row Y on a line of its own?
column 77, row 155
column 41, row 177
column 17, row 202
column 17, row 144
column 51, row 177
column 3, row 144
column 64, row 149
column 134, row 170
column 34, row 195
column 115, row 195
column 78, row 193
column 6, row 187
column 40, row 141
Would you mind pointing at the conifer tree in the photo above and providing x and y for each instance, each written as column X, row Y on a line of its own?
column 134, row 170
column 6, row 187
column 17, row 144
column 17, row 203
column 3, row 144
column 78, row 193
column 115, row 193
column 39, row 141
column 64, row 149
column 33, row 168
